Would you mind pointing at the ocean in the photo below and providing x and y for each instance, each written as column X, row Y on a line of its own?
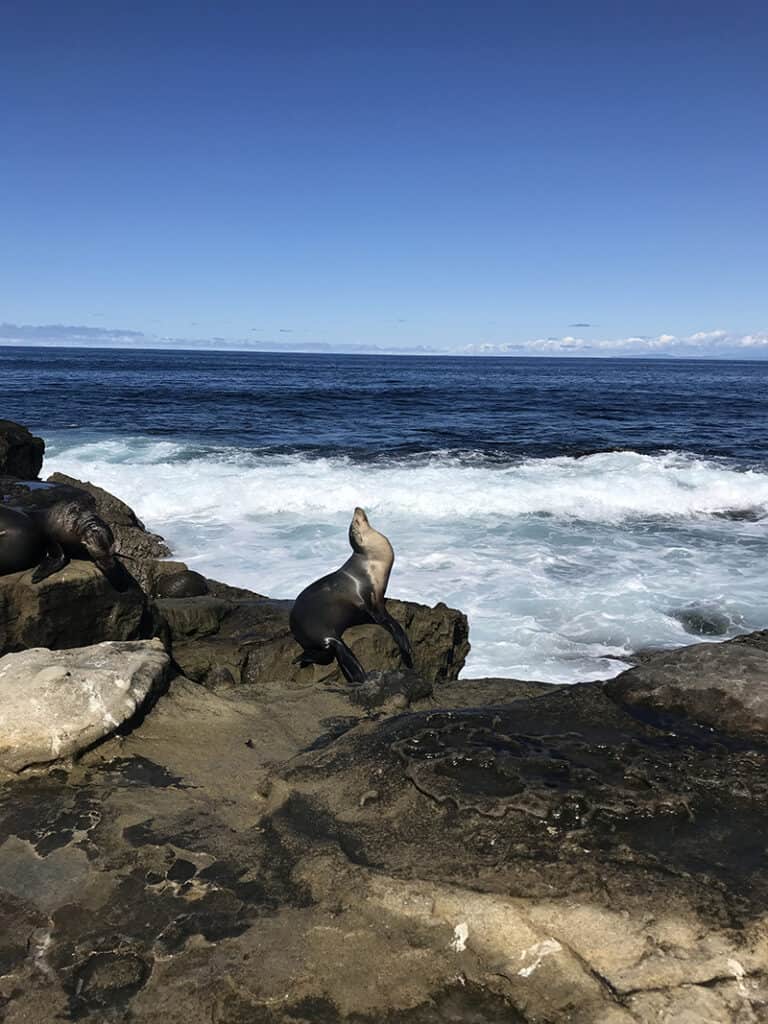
column 578, row 510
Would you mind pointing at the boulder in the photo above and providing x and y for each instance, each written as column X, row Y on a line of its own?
column 57, row 703
column 251, row 638
column 723, row 686
column 184, row 583
column 21, row 453
column 72, row 608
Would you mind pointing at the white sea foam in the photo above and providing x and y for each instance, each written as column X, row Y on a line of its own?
column 563, row 565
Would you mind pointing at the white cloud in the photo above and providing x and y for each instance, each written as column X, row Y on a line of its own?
column 701, row 343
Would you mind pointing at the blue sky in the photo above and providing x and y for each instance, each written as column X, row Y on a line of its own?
column 541, row 177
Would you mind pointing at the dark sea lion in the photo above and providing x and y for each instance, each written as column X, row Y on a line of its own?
column 182, row 584
column 22, row 543
column 351, row 596
column 73, row 529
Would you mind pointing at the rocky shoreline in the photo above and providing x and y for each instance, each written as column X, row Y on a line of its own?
column 192, row 829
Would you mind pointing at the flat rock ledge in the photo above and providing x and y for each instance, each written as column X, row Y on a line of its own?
column 57, row 703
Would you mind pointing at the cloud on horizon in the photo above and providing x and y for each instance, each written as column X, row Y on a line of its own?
column 702, row 344
column 31, row 334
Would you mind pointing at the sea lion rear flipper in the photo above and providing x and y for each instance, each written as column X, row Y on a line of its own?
column 382, row 618
column 54, row 560
column 350, row 667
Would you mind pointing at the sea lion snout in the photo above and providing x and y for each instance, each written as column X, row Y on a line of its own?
column 358, row 529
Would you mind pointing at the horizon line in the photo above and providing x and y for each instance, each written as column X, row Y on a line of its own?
column 597, row 355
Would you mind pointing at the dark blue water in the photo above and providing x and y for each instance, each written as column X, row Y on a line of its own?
column 383, row 406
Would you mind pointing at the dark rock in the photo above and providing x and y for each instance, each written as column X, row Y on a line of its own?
column 398, row 688
column 75, row 607
column 182, row 584
column 472, row 693
column 723, row 686
column 703, row 620
column 21, row 453
column 251, row 639
column 757, row 639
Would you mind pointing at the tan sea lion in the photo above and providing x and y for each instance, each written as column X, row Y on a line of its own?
column 351, row 596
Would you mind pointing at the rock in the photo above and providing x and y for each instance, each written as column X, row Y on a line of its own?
column 724, row 686
column 140, row 548
column 586, row 860
column 21, row 453
column 181, row 584
column 75, row 607
column 272, row 854
column 703, row 620
column 251, row 638
column 472, row 693
column 57, row 703
column 396, row 688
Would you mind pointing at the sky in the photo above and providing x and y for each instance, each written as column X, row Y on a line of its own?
column 550, row 178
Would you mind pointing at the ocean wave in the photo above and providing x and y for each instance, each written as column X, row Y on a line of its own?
column 604, row 487
column 563, row 565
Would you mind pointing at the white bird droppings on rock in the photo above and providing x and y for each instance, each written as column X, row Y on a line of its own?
column 536, row 955
column 460, row 936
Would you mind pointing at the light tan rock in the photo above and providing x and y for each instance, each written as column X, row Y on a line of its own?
column 56, row 703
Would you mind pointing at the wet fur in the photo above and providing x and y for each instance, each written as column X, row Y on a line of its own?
column 22, row 542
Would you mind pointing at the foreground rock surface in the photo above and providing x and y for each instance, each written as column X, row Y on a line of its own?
column 724, row 686
column 57, row 703
column 277, row 853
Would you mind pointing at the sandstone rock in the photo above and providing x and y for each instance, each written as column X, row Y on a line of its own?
column 73, row 608
column 57, row 703
column 21, row 453
column 251, row 638
column 724, row 686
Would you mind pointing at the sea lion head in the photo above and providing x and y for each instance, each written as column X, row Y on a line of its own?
column 98, row 540
column 369, row 542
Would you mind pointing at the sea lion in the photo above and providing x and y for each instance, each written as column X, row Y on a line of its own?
column 351, row 596
column 22, row 543
column 72, row 529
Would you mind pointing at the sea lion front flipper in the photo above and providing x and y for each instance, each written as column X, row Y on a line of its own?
column 382, row 618
column 54, row 560
column 350, row 667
